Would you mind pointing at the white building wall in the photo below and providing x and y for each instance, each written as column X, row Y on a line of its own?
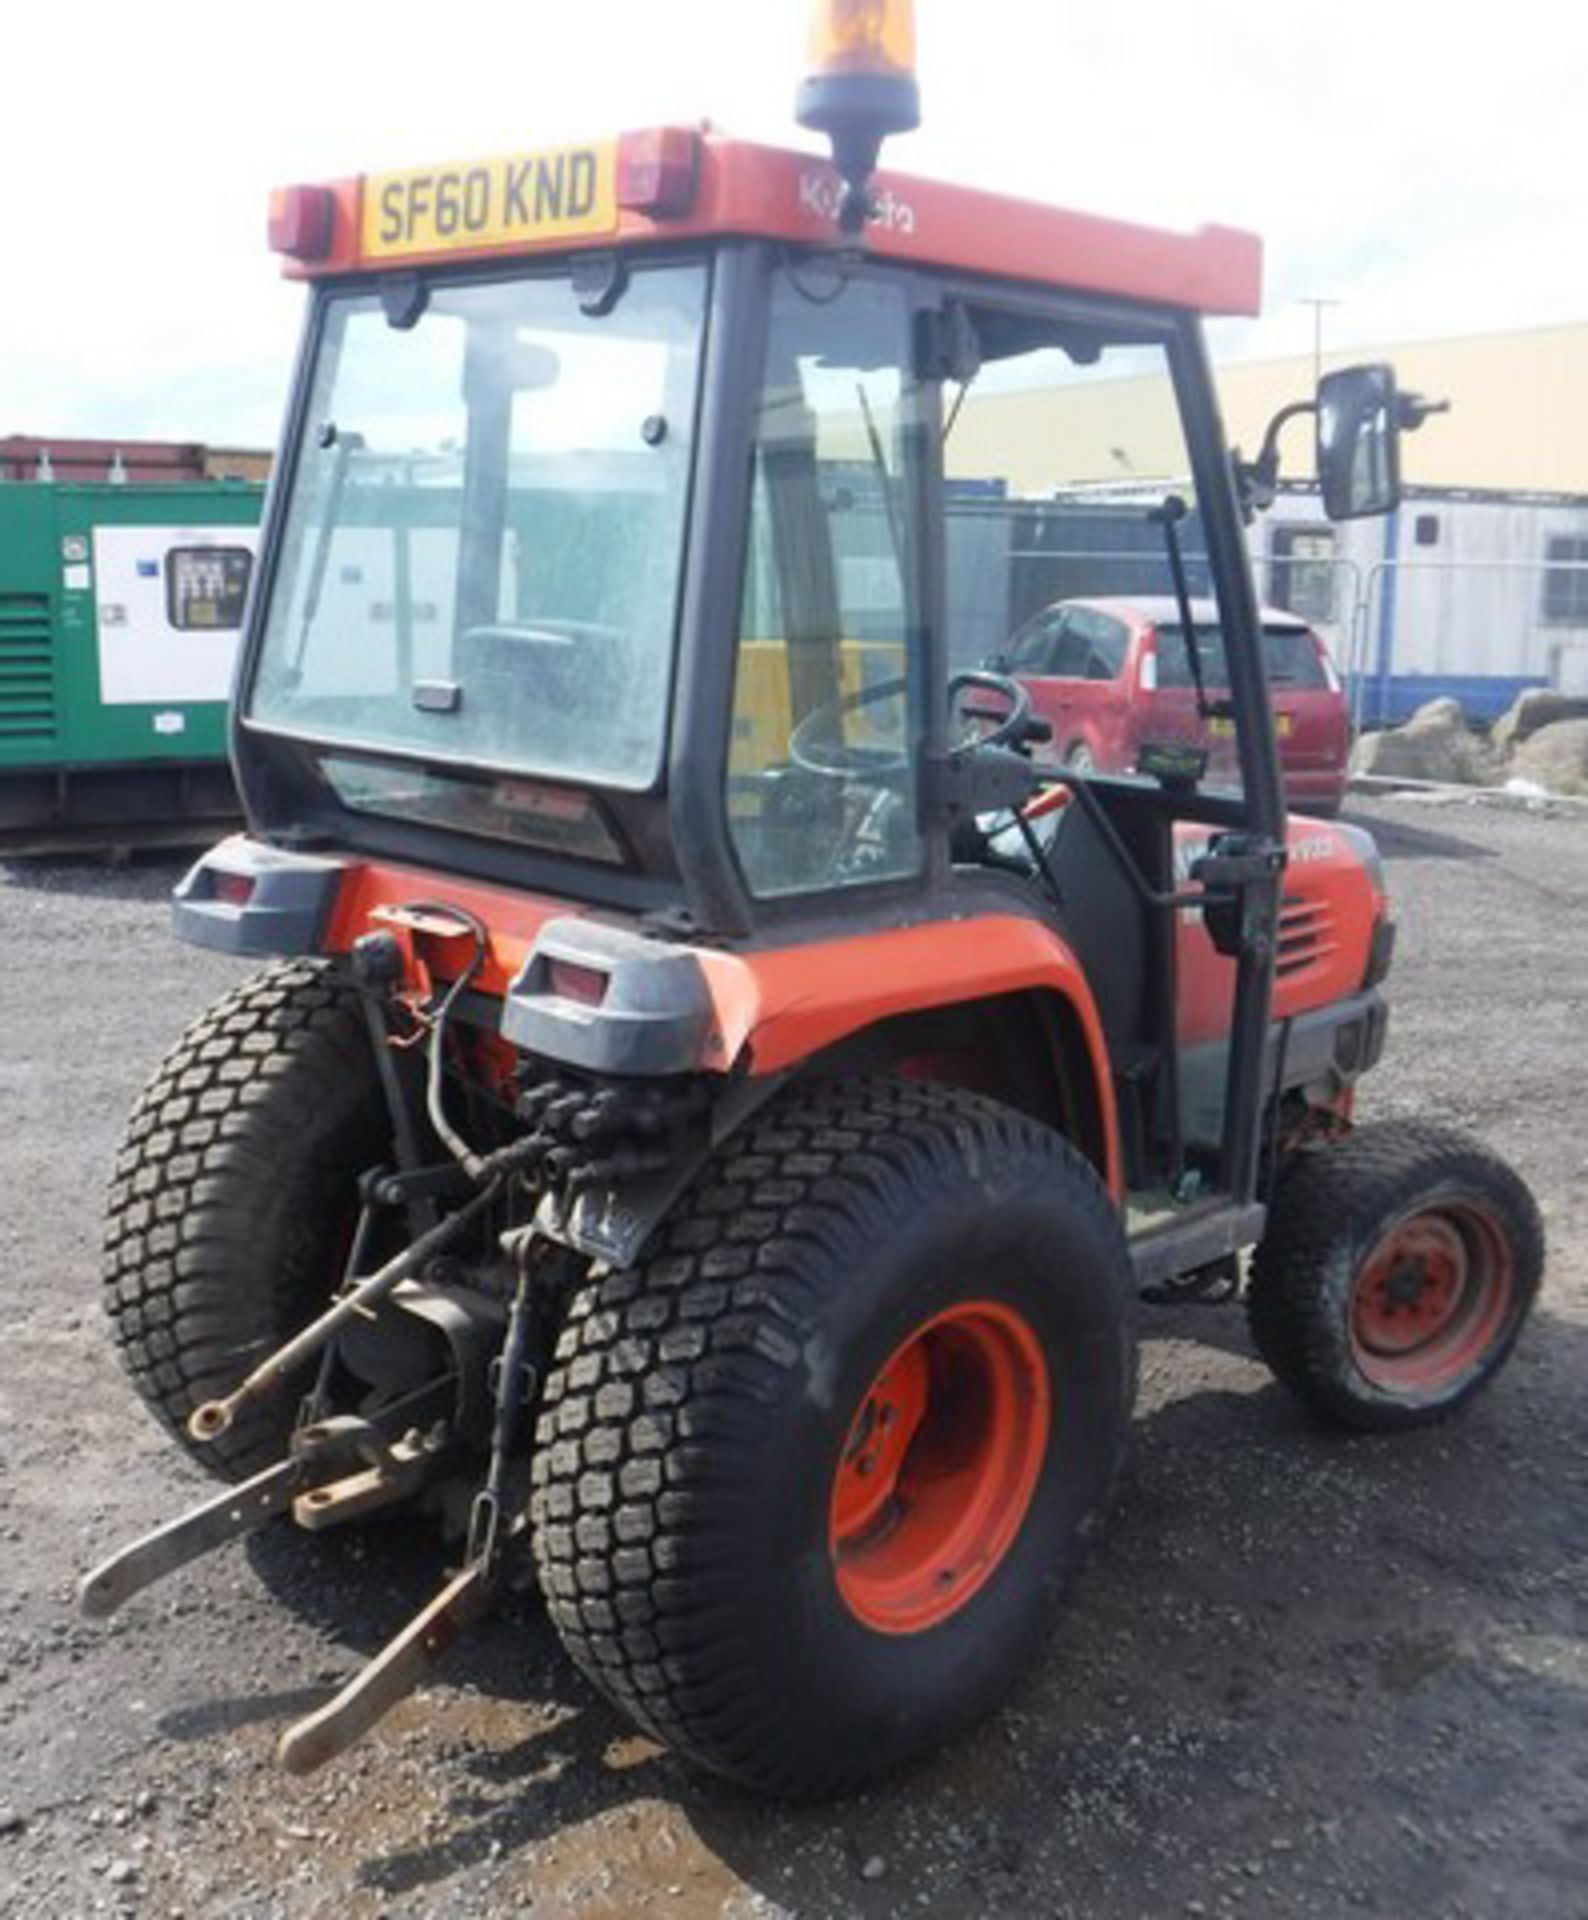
column 1460, row 610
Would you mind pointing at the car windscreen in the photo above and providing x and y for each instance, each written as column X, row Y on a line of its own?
column 482, row 546
column 1291, row 654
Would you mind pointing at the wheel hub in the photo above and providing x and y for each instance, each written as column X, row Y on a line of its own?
column 939, row 1467
column 1429, row 1297
column 1405, row 1286
column 879, row 1440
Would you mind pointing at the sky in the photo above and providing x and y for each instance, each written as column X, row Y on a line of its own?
column 1422, row 166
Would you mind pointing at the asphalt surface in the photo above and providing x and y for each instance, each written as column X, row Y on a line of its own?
column 1304, row 1675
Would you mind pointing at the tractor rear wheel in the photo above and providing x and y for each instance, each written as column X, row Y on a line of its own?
column 234, row 1196
column 1397, row 1272
column 812, row 1478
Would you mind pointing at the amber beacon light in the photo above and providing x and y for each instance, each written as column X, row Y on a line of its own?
column 861, row 87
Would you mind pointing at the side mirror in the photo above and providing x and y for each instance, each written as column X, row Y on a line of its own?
column 1359, row 422
column 1361, row 415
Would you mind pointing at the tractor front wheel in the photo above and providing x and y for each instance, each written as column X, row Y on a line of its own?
column 1397, row 1272
column 811, row 1479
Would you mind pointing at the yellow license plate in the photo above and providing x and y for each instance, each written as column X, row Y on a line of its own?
column 513, row 200
column 1225, row 728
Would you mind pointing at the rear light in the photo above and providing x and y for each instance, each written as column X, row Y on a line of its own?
column 232, row 889
column 587, row 986
column 1147, row 667
column 302, row 221
column 659, row 172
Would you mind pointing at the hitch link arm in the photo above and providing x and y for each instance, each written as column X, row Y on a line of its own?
column 216, row 1417
column 320, row 1453
column 407, row 1661
column 401, row 1665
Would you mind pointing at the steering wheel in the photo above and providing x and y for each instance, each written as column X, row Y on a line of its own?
column 815, row 747
column 1007, row 732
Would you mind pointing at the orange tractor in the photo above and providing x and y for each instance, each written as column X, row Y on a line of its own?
column 717, row 1090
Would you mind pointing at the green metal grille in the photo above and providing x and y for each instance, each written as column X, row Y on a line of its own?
column 27, row 680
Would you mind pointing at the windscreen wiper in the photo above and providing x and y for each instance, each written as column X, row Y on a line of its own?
column 879, row 460
column 1168, row 516
column 346, row 443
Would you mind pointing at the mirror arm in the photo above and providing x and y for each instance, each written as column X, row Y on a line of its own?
column 1257, row 481
column 1412, row 410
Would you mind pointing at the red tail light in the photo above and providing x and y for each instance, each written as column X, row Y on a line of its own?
column 659, row 172
column 302, row 221
column 235, row 889
column 1147, row 661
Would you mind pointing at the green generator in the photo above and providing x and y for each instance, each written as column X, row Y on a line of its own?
column 121, row 611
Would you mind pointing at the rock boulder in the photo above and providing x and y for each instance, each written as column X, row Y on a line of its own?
column 1533, row 710
column 1556, row 757
column 1435, row 744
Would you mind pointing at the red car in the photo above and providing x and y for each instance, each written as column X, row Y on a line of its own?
column 1112, row 673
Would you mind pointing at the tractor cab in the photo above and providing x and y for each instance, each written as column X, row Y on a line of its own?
column 726, row 1067
column 643, row 523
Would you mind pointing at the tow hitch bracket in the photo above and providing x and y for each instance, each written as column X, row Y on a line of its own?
column 322, row 1455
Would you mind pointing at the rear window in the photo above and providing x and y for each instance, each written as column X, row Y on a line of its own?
column 1293, row 659
column 1291, row 653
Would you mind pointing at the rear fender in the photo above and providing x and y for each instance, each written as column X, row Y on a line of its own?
column 1026, row 1050
column 780, row 1009
column 997, row 1004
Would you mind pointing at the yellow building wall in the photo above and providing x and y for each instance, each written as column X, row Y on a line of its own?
column 1518, row 419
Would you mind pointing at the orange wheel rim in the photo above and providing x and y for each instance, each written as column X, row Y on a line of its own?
column 1431, row 1298
column 939, row 1466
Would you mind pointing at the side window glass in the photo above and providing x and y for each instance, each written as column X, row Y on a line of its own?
column 1110, row 643
column 1065, row 447
column 1071, row 651
column 828, row 713
column 1302, row 570
column 1101, row 652
column 1029, row 654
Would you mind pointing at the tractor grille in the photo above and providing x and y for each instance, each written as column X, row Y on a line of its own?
column 1306, row 935
column 27, row 678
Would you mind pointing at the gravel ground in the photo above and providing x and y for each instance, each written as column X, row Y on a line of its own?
column 1305, row 1675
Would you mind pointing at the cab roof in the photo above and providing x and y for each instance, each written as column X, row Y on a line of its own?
column 684, row 183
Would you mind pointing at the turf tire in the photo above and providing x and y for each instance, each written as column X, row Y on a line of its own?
column 1332, row 1205
column 230, row 1204
column 699, row 1402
